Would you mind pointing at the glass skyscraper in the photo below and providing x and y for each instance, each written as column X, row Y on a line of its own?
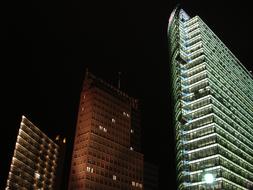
column 213, row 108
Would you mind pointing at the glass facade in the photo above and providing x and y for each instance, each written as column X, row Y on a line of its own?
column 213, row 108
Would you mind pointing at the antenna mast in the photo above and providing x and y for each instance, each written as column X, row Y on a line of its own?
column 119, row 73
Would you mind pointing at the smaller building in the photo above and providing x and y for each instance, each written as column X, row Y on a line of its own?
column 150, row 176
column 35, row 160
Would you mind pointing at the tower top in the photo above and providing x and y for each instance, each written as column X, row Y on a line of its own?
column 178, row 12
column 108, row 87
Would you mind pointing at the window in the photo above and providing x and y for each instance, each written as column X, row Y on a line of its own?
column 57, row 137
column 102, row 128
column 89, row 169
column 37, row 175
column 114, row 177
column 132, row 131
column 131, row 148
column 126, row 114
column 133, row 183
column 113, row 120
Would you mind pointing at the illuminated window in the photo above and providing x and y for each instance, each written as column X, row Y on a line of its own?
column 89, row 169
column 100, row 127
column 105, row 130
column 126, row 114
column 132, row 131
column 133, row 183
column 140, row 185
column 113, row 120
column 114, row 177
column 82, row 108
column 57, row 137
column 131, row 148
column 37, row 175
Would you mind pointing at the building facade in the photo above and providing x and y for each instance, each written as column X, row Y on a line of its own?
column 35, row 161
column 213, row 108
column 107, row 141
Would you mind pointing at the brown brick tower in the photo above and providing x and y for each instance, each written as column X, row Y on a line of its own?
column 107, row 139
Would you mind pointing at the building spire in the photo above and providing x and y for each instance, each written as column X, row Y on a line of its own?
column 119, row 73
column 86, row 72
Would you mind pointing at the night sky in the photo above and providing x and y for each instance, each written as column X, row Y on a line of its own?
column 47, row 45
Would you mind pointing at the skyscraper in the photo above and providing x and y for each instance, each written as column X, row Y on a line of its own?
column 35, row 161
column 107, row 141
column 213, row 108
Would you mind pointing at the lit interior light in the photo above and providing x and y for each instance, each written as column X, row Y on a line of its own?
column 209, row 178
column 37, row 175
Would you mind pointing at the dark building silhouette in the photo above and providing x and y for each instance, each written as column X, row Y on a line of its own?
column 37, row 161
column 107, row 141
column 150, row 176
column 60, row 182
column 213, row 110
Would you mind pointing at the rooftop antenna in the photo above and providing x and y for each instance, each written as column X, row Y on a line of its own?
column 86, row 72
column 119, row 73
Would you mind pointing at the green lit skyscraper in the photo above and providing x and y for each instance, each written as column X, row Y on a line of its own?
column 213, row 108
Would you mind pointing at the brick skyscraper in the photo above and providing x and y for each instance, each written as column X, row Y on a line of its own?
column 107, row 140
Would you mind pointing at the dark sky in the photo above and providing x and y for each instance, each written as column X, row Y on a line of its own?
column 47, row 45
